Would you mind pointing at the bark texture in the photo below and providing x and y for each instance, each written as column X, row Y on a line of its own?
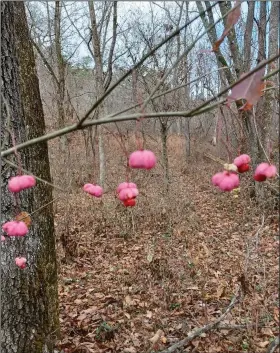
column 29, row 296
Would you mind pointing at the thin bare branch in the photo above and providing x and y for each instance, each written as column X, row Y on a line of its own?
column 145, row 57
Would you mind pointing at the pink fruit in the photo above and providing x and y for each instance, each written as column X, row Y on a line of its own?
column 242, row 159
column 243, row 168
column 229, row 182
column 142, row 159
column 226, row 181
column 21, row 182
column 94, row 190
column 128, row 193
column 125, row 185
column 242, row 163
column 217, row 178
column 15, row 228
column 129, row 202
column 265, row 170
column 3, row 238
column 20, row 262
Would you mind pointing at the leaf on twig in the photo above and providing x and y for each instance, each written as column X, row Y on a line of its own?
column 249, row 89
column 232, row 19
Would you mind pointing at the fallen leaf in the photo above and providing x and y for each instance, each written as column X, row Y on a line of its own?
column 149, row 314
column 157, row 336
column 263, row 344
column 130, row 350
column 267, row 331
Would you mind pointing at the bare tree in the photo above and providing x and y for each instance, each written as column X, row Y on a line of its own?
column 29, row 302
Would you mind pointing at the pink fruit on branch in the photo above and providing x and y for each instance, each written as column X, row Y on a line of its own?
column 142, row 159
column 94, row 190
column 21, row 182
column 242, row 163
column 15, row 228
column 128, row 193
column 226, row 181
column 242, row 159
column 264, row 171
column 129, row 203
column 20, row 262
column 125, row 185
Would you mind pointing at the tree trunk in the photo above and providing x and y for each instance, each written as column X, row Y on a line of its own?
column 60, row 73
column 164, row 129
column 29, row 296
column 99, row 87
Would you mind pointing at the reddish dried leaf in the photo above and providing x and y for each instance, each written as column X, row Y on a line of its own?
column 249, row 89
column 24, row 217
column 232, row 19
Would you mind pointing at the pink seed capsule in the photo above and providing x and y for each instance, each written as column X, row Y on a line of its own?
column 128, row 193
column 15, row 228
column 226, row 181
column 242, row 159
column 217, row 178
column 94, row 190
column 142, row 159
column 21, row 182
column 125, row 185
column 20, row 262
column 3, row 238
column 229, row 182
column 265, row 170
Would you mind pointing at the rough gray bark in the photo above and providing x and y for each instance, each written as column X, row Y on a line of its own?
column 29, row 296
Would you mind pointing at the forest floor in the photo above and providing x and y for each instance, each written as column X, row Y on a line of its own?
column 139, row 279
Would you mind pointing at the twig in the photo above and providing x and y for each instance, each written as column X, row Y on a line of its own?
column 145, row 57
column 241, row 79
column 197, row 332
column 106, row 120
column 273, row 345
column 40, row 179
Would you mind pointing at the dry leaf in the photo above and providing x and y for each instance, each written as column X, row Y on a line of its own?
column 249, row 89
column 24, row 217
column 163, row 339
column 232, row 19
column 157, row 336
column 263, row 344
column 128, row 300
column 267, row 331
column 130, row 350
column 149, row 314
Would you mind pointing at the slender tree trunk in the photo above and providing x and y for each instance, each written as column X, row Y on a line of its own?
column 100, row 90
column 164, row 130
column 60, row 73
column 29, row 296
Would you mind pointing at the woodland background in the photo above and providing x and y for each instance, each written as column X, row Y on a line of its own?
column 140, row 279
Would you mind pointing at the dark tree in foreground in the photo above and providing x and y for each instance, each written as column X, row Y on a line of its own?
column 29, row 296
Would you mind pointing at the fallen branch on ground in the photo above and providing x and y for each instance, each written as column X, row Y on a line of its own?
column 273, row 345
column 197, row 332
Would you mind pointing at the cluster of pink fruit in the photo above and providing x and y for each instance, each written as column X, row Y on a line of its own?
column 18, row 228
column 229, row 179
column 127, row 192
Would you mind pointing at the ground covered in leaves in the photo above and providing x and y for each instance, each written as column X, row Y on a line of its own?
column 139, row 280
